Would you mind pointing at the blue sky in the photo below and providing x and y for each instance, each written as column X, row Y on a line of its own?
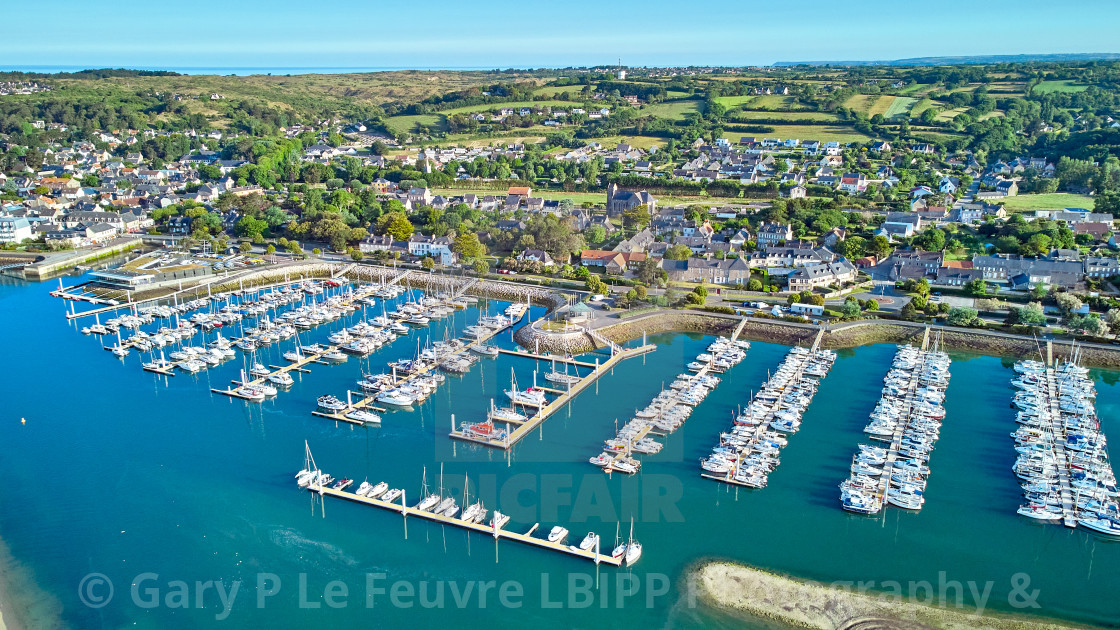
column 439, row 33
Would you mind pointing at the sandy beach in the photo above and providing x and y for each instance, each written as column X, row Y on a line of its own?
column 823, row 607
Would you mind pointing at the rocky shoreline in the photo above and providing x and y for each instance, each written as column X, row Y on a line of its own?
column 819, row 606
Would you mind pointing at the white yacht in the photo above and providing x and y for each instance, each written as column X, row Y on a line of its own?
column 558, row 534
column 281, row 378
column 589, row 542
column 361, row 415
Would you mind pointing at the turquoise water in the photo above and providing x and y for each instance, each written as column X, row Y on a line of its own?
column 123, row 473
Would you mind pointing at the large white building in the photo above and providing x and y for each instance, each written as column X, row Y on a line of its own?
column 14, row 230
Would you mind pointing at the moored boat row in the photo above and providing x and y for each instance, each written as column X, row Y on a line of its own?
column 668, row 410
column 1062, row 461
column 908, row 419
column 749, row 452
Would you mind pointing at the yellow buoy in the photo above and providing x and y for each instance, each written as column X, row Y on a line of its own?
column 23, row 420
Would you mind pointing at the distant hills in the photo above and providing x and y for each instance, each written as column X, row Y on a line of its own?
column 965, row 59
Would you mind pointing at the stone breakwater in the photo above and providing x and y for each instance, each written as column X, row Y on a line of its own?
column 661, row 322
column 823, row 607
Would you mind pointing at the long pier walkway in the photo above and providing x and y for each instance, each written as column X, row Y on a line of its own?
column 1058, row 430
column 494, row 529
column 367, row 401
column 513, row 437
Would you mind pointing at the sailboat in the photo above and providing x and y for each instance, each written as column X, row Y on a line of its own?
column 619, row 546
column 294, row 356
column 633, row 548
column 474, row 511
column 430, row 500
column 562, row 378
column 533, row 396
column 447, row 502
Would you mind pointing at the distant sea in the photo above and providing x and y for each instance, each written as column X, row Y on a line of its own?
column 238, row 71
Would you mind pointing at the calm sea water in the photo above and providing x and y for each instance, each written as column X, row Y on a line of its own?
column 123, row 473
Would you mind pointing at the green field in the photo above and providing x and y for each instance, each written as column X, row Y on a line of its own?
column 861, row 103
column 496, row 106
column 1059, row 86
column 922, row 106
column 899, row 106
column 406, row 124
column 771, row 102
column 950, row 114
column 794, row 115
column 552, row 90
column 824, row 133
column 1051, row 201
column 671, row 110
column 733, row 101
column 642, row 142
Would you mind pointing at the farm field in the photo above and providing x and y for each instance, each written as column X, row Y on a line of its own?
column 772, row 102
column 733, row 101
column 553, row 90
column 824, row 133
column 1050, row 201
column 1059, row 86
column 751, row 114
column 950, row 114
column 494, row 106
column 899, row 106
column 671, row 110
column 642, row 142
column 860, row 103
column 406, row 124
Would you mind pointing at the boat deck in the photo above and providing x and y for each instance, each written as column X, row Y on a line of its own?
column 542, row 414
column 496, row 532
column 367, row 402
column 543, row 357
column 295, row 366
column 1058, row 430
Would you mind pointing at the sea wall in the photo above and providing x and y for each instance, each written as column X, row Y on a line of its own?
column 56, row 263
column 844, row 335
column 492, row 289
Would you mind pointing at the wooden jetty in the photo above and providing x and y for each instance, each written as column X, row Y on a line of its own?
column 1058, row 430
column 368, row 400
column 492, row 530
column 542, row 414
column 295, row 366
column 547, row 357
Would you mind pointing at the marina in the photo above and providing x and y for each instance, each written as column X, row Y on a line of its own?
column 1062, row 461
column 798, row 506
column 314, row 305
column 908, row 420
column 748, row 453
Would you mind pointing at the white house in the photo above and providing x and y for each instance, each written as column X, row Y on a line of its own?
column 438, row 247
